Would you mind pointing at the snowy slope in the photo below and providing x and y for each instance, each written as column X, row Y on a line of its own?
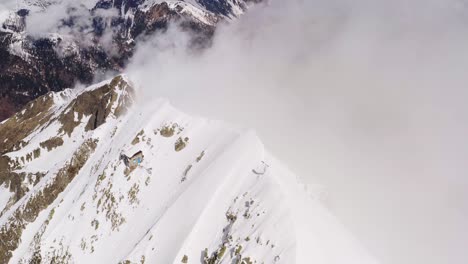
column 204, row 191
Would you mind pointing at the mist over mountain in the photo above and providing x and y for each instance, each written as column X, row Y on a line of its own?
column 356, row 153
column 364, row 98
column 52, row 45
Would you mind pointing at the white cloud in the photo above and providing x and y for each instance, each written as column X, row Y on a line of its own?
column 366, row 97
column 5, row 8
column 72, row 20
column 3, row 14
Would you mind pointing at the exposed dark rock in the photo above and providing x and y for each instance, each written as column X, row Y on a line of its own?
column 52, row 143
column 98, row 104
column 217, row 6
column 22, row 12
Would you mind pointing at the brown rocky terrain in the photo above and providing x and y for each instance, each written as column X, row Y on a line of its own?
column 38, row 115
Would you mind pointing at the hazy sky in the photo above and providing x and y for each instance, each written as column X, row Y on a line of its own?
column 367, row 98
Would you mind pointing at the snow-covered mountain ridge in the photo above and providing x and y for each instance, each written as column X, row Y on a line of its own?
column 89, row 176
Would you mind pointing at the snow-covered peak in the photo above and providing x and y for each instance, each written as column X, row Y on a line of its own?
column 93, row 177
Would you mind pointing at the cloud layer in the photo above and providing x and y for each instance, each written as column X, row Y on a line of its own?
column 365, row 97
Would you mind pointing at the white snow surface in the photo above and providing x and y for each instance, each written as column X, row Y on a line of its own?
column 181, row 198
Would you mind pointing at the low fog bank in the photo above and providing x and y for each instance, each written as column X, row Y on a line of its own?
column 368, row 98
column 5, row 8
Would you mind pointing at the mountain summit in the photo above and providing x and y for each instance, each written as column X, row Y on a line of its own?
column 90, row 176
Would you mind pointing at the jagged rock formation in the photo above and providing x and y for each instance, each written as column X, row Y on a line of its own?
column 198, row 191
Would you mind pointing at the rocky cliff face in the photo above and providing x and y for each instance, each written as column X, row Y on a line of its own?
column 60, row 114
column 31, row 66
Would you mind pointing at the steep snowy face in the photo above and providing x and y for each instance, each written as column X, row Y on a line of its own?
column 90, row 176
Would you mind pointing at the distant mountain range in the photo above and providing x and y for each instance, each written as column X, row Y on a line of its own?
column 32, row 65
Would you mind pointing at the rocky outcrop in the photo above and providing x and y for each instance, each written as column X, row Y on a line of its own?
column 98, row 104
column 95, row 105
